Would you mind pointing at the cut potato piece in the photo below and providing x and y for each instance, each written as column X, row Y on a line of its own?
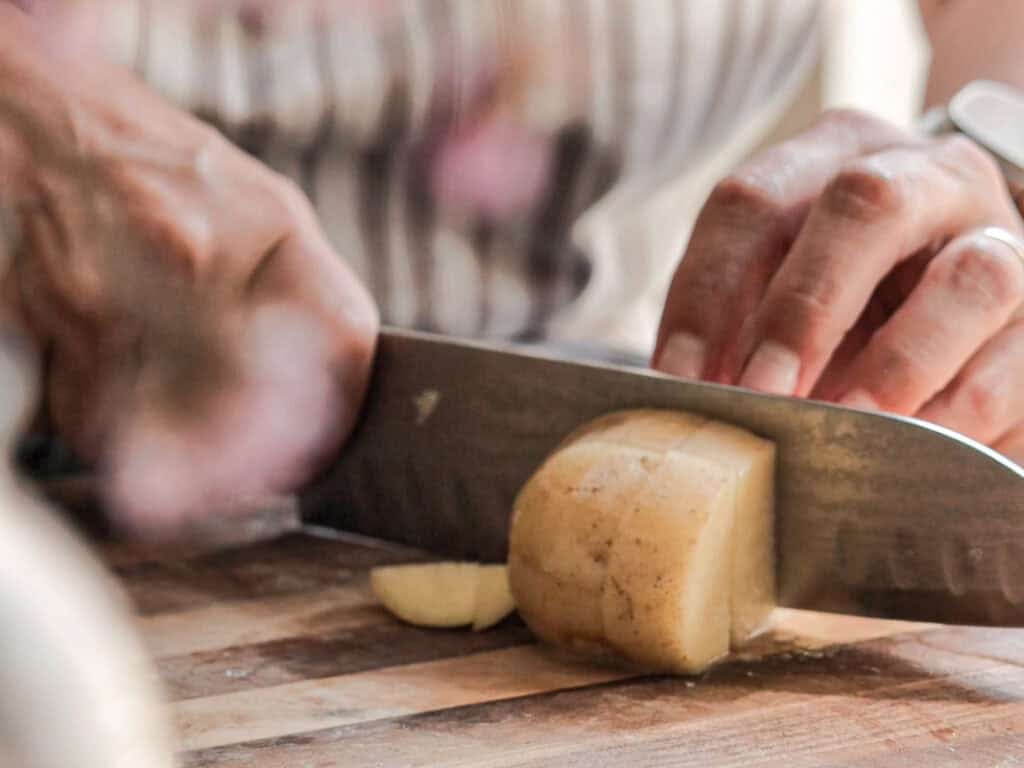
column 428, row 594
column 494, row 599
column 445, row 594
column 666, row 603
column 564, row 522
column 649, row 430
column 649, row 533
column 753, row 576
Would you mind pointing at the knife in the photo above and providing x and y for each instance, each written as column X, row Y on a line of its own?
column 877, row 515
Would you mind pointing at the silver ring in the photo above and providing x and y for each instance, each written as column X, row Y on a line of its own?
column 1006, row 238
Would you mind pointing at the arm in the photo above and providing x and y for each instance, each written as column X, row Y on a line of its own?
column 970, row 43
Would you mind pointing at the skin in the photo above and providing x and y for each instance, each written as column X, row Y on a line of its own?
column 862, row 264
column 203, row 344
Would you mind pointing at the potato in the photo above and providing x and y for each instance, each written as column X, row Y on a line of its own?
column 666, row 604
column 428, row 594
column 562, row 552
column 493, row 597
column 647, row 533
column 445, row 594
column 753, row 575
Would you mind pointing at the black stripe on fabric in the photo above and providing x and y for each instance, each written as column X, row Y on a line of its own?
column 420, row 206
column 485, row 231
column 574, row 267
column 549, row 240
column 257, row 132
column 420, row 222
column 483, row 237
column 609, row 159
column 549, row 237
column 583, row 172
column 376, row 172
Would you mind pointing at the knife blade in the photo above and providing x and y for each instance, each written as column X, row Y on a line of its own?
column 877, row 515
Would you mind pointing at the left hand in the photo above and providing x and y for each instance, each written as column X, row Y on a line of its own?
column 860, row 264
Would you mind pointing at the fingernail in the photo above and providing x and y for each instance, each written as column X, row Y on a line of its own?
column 859, row 399
column 683, row 356
column 773, row 369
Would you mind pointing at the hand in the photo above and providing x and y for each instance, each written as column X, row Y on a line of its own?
column 204, row 345
column 860, row 264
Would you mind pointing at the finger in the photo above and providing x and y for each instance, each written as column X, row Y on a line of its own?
column 968, row 292
column 876, row 212
column 250, row 438
column 1011, row 445
column 743, row 231
column 887, row 298
column 302, row 345
column 309, row 274
column 985, row 399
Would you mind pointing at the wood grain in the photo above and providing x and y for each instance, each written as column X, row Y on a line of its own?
column 295, row 563
column 277, row 656
column 329, row 655
column 401, row 690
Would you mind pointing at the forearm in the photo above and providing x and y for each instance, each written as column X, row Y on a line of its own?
column 969, row 43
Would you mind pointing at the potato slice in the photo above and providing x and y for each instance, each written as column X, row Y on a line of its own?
column 666, row 603
column 494, row 599
column 428, row 594
column 649, row 430
column 753, row 577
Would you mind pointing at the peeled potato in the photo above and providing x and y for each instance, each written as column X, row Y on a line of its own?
column 647, row 533
column 445, row 594
column 753, row 573
column 666, row 604
column 493, row 597
column 429, row 594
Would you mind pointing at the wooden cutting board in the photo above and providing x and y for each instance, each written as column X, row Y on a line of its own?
column 277, row 656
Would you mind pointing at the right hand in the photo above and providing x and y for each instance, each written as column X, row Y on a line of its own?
column 204, row 346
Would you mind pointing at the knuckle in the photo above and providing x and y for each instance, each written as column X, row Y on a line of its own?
column 984, row 272
column 186, row 246
column 983, row 404
column 290, row 196
column 905, row 373
column 801, row 318
column 967, row 159
column 847, row 117
column 863, row 128
column 863, row 192
column 744, row 194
